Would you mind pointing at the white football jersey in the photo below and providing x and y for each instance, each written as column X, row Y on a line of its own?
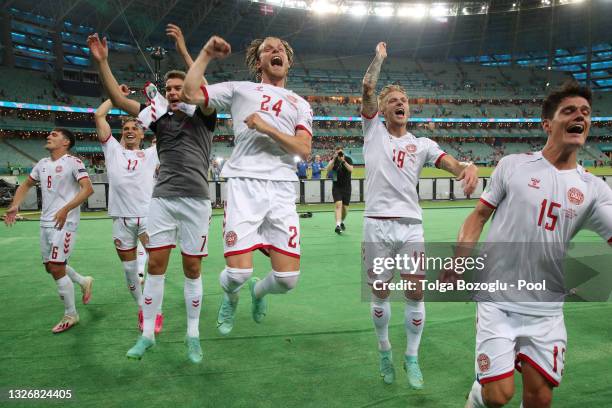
column 256, row 155
column 393, row 165
column 131, row 177
column 59, row 184
column 544, row 208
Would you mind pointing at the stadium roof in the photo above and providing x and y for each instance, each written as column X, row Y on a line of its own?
column 445, row 30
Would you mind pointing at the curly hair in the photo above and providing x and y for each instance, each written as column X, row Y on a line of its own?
column 387, row 89
column 253, row 51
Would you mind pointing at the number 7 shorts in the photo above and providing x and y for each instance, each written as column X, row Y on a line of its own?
column 179, row 219
column 260, row 214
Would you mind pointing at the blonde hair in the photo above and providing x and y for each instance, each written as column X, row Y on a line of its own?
column 128, row 119
column 253, row 51
column 384, row 93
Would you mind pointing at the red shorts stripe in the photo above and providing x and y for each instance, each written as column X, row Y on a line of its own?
column 55, row 262
column 363, row 115
column 125, row 250
column 488, row 204
column 193, row 256
column 437, row 163
column 160, row 248
column 282, row 251
column 244, row 251
column 496, row 377
column 205, row 92
column 526, row 359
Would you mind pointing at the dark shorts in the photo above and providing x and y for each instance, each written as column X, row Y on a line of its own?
column 341, row 194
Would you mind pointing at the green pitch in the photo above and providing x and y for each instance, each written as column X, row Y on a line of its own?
column 315, row 348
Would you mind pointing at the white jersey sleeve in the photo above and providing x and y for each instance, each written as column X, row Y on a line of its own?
column 600, row 219
column 496, row 189
column 304, row 120
column 371, row 127
column 35, row 173
column 219, row 96
column 78, row 169
column 434, row 153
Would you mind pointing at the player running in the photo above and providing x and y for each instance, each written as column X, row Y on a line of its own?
column 180, row 209
column 272, row 125
column 130, row 178
column 546, row 198
column 65, row 185
column 393, row 220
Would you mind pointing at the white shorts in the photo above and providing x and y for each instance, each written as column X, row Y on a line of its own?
column 126, row 232
column 260, row 214
column 182, row 219
column 56, row 245
column 507, row 340
column 386, row 238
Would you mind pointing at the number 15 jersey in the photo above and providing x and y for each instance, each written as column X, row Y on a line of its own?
column 256, row 155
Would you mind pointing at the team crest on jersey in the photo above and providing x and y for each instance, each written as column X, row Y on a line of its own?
column 534, row 183
column 484, row 363
column 230, row 238
column 575, row 196
column 411, row 148
column 59, row 169
column 140, row 154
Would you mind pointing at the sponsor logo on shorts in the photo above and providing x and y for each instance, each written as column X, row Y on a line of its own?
column 575, row 196
column 117, row 243
column 411, row 148
column 59, row 169
column 484, row 363
column 230, row 238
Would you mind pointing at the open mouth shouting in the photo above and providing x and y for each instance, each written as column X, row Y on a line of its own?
column 575, row 129
column 276, row 61
column 400, row 112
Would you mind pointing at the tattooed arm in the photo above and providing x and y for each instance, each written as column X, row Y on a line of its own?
column 369, row 104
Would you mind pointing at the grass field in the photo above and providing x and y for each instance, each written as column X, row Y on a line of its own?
column 316, row 347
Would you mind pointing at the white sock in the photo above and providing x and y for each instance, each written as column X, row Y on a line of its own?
column 74, row 276
column 338, row 224
column 381, row 314
column 152, row 296
column 276, row 282
column 193, row 304
column 65, row 288
column 130, row 268
column 142, row 257
column 232, row 280
column 414, row 320
column 475, row 396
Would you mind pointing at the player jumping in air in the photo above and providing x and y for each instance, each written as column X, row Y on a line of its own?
column 180, row 209
column 65, row 185
column 546, row 198
column 393, row 221
column 272, row 125
column 130, row 178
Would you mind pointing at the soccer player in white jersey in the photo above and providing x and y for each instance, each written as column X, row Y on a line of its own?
column 180, row 208
column 271, row 126
column 393, row 221
column 130, row 177
column 65, row 185
column 546, row 198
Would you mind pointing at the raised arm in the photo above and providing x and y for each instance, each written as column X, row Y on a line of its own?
column 103, row 129
column 467, row 172
column 173, row 31
column 369, row 104
column 99, row 52
column 22, row 190
column 216, row 47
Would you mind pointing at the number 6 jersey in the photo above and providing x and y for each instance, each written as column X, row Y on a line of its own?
column 256, row 155
column 130, row 178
